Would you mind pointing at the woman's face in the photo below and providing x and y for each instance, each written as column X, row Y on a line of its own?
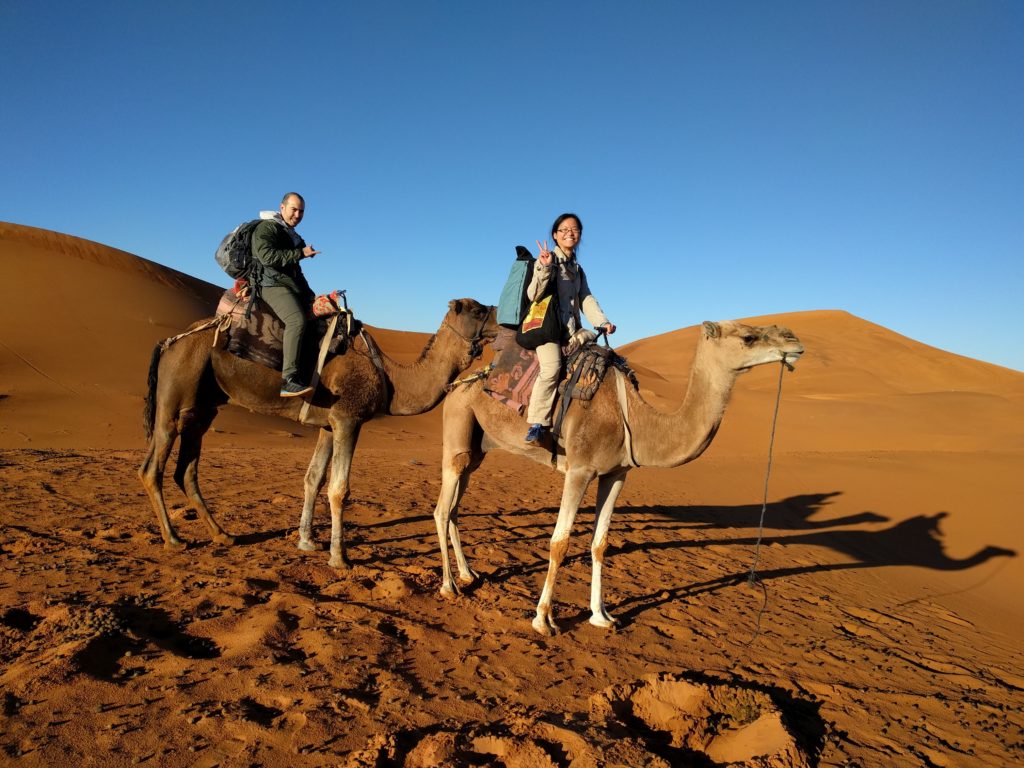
column 567, row 235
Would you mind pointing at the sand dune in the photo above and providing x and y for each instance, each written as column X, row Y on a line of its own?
column 885, row 633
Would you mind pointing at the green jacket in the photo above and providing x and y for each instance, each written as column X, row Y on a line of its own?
column 273, row 247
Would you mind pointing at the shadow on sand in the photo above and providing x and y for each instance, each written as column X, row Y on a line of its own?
column 917, row 541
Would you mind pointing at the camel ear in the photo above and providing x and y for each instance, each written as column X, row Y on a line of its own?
column 455, row 306
column 711, row 330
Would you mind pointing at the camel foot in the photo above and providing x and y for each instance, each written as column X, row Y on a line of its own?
column 307, row 546
column 449, row 592
column 603, row 620
column 174, row 545
column 468, row 577
column 546, row 627
column 339, row 562
column 223, row 539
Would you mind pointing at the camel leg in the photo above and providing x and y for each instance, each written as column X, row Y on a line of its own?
column 316, row 473
column 466, row 574
column 608, row 488
column 345, row 435
column 445, row 515
column 151, row 473
column 187, row 473
column 576, row 482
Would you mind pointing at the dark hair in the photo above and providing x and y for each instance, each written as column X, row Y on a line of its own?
column 563, row 217
column 292, row 194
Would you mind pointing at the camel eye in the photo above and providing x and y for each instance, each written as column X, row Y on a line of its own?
column 749, row 339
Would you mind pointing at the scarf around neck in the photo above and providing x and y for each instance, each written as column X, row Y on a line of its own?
column 275, row 216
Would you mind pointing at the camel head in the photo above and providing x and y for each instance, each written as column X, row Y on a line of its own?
column 472, row 321
column 739, row 347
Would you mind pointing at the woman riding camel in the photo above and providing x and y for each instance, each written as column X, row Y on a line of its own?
column 574, row 295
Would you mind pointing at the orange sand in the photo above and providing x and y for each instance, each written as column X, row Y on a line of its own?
column 889, row 564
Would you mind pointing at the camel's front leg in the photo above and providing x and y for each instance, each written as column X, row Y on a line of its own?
column 608, row 488
column 445, row 520
column 576, row 482
column 345, row 435
column 316, row 473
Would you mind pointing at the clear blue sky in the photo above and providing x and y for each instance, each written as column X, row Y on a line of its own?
column 728, row 159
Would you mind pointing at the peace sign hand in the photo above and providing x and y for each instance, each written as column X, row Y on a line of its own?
column 544, row 257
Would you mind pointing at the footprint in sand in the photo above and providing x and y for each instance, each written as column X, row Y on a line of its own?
column 729, row 724
column 659, row 722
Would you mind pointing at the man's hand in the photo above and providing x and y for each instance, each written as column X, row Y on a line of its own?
column 609, row 328
column 309, row 252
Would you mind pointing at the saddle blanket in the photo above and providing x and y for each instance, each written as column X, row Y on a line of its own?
column 260, row 337
column 513, row 373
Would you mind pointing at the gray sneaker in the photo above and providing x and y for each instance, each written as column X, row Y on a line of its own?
column 292, row 387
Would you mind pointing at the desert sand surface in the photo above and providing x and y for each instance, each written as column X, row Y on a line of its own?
column 883, row 628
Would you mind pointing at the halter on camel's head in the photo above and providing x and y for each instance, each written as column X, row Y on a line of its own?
column 476, row 340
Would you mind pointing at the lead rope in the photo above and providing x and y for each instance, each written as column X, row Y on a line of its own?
column 752, row 579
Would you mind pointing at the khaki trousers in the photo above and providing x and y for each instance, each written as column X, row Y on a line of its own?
column 543, row 396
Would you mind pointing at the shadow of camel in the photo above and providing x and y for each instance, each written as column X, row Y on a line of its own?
column 917, row 541
column 793, row 513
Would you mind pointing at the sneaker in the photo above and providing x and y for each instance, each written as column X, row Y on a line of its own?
column 292, row 387
column 535, row 434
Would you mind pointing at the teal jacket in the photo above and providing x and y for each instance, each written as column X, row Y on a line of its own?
column 273, row 247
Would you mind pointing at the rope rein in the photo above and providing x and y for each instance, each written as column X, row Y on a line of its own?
column 752, row 579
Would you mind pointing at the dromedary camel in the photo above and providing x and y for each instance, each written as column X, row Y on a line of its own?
column 616, row 432
column 190, row 379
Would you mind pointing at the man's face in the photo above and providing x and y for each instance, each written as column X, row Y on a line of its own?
column 292, row 210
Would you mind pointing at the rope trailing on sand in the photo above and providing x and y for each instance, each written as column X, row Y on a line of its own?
column 752, row 579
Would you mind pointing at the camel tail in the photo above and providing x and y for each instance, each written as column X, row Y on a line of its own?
column 149, row 412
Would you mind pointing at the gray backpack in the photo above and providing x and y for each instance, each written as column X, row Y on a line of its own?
column 234, row 254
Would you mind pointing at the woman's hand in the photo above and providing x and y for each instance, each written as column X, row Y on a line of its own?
column 544, row 257
column 609, row 328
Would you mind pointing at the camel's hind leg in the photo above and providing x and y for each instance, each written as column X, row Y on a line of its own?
column 576, row 482
column 194, row 426
column 345, row 433
column 151, row 473
column 316, row 473
column 608, row 488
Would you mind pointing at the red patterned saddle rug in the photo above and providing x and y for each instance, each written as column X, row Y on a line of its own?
column 260, row 336
column 513, row 372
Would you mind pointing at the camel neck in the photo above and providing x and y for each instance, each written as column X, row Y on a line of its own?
column 420, row 386
column 671, row 439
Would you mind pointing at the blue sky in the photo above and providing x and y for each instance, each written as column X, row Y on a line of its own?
column 728, row 159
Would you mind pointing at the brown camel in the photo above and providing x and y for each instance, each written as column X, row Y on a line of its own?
column 190, row 379
column 616, row 432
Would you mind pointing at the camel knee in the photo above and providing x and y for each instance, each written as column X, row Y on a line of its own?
column 559, row 547
column 337, row 497
column 459, row 463
column 597, row 551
